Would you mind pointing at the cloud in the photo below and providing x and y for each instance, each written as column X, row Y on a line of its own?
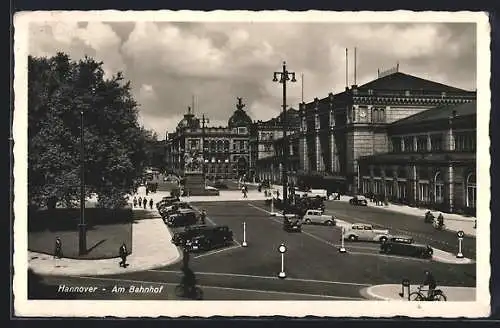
column 170, row 62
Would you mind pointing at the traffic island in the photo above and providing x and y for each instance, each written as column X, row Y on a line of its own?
column 392, row 292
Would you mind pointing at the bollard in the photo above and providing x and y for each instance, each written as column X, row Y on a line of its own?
column 405, row 283
column 460, row 235
column 342, row 248
column 244, row 244
column 282, row 250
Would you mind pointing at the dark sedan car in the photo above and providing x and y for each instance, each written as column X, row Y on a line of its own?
column 292, row 223
column 401, row 245
column 179, row 238
column 212, row 237
column 358, row 200
column 184, row 217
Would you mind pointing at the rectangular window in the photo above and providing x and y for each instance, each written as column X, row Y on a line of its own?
column 396, row 144
column 465, row 141
column 423, row 192
column 437, row 142
column 409, row 146
column 242, row 130
column 422, row 143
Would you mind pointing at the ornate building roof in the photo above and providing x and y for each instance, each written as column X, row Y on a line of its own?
column 189, row 121
column 402, row 81
column 239, row 118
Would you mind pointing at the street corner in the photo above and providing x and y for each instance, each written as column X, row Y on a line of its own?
column 398, row 292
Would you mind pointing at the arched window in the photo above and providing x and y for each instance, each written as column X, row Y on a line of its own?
column 375, row 115
column 438, row 188
column 219, row 145
column 212, row 145
column 471, row 190
column 226, row 145
column 381, row 114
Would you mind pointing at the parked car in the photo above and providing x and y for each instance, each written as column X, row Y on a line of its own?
column 292, row 223
column 207, row 239
column 184, row 217
column 402, row 245
column 358, row 200
column 171, row 208
column 366, row 232
column 167, row 201
column 317, row 217
column 179, row 238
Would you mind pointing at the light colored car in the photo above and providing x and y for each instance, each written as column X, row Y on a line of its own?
column 317, row 216
column 366, row 232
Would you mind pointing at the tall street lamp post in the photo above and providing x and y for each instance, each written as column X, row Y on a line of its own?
column 284, row 77
column 204, row 121
column 82, row 227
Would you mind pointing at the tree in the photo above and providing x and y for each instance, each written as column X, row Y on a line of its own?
column 114, row 156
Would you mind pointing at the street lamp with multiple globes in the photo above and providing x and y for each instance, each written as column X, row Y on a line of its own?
column 284, row 76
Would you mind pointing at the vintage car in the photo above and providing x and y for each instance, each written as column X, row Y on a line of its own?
column 317, row 217
column 359, row 200
column 403, row 245
column 209, row 238
column 292, row 223
column 365, row 232
column 179, row 238
column 182, row 218
column 173, row 208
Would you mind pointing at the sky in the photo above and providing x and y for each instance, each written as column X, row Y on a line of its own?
column 169, row 63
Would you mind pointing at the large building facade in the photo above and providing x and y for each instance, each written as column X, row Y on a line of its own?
column 339, row 129
column 431, row 160
column 225, row 150
column 265, row 142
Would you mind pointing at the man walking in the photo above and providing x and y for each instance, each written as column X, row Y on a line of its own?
column 135, row 202
column 123, row 255
column 151, row 203
column 145, row 203
column 58, row 249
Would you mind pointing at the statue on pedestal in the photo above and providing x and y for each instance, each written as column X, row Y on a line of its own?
column 193, row 161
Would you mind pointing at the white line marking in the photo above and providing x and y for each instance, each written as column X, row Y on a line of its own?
column 223, row 288
column 267, row 277
column 217, row 251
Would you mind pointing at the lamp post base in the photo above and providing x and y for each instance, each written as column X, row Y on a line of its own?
column 460, row 255
column 244, row 244
column 82, row 239
column 342, row 250
column 282, row 275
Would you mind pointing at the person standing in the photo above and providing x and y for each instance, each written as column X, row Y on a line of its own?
column 123, row 255
column 140, row 201
column 151, row 203
column 58, row 249
column 135, row 202
column 145, row 203
column 203, row 216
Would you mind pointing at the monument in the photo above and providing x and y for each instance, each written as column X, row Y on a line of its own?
column 194, row 179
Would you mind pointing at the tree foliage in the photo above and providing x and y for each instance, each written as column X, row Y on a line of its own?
column 59, row 90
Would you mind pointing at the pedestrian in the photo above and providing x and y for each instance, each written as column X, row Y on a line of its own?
column 151, row 203
column 140, row 201
column 185, row 257
column 203, row 216
column 58, row 249
column 135, row 202
column 145, row 203
column 123, row 255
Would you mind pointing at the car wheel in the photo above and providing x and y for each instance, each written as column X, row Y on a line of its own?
column 388, row 249
column 383, row 239
column 329, row 222
column 353, row 238
column 307, row 221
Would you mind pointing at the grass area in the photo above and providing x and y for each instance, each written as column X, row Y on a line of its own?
column 106, row 231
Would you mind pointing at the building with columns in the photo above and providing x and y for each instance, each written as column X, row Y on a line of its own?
column 224, row 149
column 337, row 130
column 264, row 159
column 431, row 160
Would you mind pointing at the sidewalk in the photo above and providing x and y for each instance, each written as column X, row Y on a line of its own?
column 151, row 248
column 390, row 292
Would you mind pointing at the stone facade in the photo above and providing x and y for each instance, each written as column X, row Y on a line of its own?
column 339, row 129
column 431, row 161
column 225, row 151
